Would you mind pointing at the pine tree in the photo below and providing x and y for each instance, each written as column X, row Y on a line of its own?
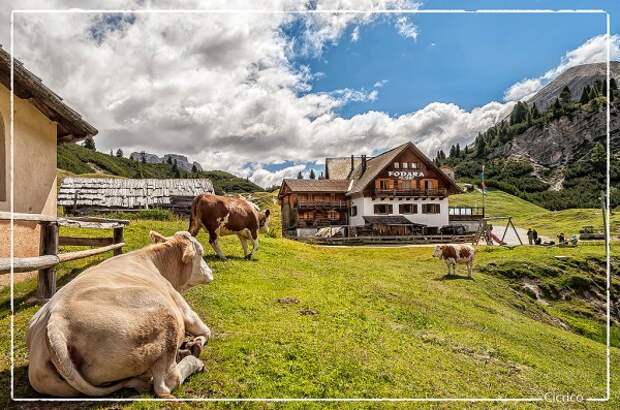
column 557, row 107
column 300, row 175
column 89, row 143
column 119, row 153
column 480, row 146
column 144, row 159
column 175, row 169
column 598, row 156
column 452, row 151
column 565, row 95
column 194, row 169
column 457, row 150
column 519, row 113
column 169, row 160
column 612, row 84
column 312, row 175
column 585, row 95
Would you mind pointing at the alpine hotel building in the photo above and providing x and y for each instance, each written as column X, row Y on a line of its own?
column 399, row 192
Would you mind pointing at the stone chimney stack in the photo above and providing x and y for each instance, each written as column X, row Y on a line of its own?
column 363, row 164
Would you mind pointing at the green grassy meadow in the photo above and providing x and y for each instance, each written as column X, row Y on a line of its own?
column 526, row 214
column 377, row 322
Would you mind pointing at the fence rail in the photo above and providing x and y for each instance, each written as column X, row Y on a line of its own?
column 405, row 239
column 51, row 240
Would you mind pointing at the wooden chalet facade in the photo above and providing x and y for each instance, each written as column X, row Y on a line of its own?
column 400, row 192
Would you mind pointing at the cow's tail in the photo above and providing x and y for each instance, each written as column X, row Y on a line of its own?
column 61, row 358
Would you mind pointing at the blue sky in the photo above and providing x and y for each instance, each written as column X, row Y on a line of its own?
column 467, row 59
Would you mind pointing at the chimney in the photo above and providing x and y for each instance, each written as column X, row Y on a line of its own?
column 363, row 164
column 352, row 163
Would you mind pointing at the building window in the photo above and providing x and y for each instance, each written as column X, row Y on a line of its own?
column 413, row 165
column 396, row 165
column 353, row 211
column 404, row 165
column 383, row 184
column 406, row 209
column 333, row 215
column 3, row 162
column 383, row 209
column 430, row 208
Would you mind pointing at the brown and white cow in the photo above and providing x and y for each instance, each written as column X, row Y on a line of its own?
column 453, row 254
column 120, row 324
column 225, row 215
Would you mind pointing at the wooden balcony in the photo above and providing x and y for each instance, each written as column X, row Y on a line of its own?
column 309, row 204
column 417, row 193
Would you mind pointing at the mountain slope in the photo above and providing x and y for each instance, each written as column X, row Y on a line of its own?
column 79, row 160
column 576, row 78
column 554, row 157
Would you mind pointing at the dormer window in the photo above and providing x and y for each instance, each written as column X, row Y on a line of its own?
column 396, row 165
column 414, row 165
column 404, row 165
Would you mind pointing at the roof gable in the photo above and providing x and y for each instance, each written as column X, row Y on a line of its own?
column 379, row 163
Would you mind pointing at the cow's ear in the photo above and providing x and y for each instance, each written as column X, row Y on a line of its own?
column 188, row 251
column 156, row 237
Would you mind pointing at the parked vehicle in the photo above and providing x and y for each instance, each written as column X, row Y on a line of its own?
column 453, row 230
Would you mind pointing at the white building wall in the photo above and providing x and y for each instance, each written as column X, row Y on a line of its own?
column 365, row 207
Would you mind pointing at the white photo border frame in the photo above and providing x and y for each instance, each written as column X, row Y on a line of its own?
column 327, row 11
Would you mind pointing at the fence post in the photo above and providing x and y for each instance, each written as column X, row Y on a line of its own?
column 49, row 246
column 118, row 238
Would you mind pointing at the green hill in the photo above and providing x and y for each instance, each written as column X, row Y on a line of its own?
column 526, row 214
column 82, row 161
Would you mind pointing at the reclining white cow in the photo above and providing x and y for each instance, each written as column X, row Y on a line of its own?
column 120, row 324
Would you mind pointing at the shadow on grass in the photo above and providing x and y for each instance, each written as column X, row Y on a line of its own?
column 23, row 390
column 447, row 276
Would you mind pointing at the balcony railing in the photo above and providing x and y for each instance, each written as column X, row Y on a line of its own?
column 310, row 204
column 441, row 192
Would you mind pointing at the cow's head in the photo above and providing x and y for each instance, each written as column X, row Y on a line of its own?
column 263, row 221
column 438, row 251
column 186, row 266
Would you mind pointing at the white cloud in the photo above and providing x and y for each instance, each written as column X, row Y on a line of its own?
column 592, row 51
column 406, row 28
column 355, row 34
column 380, row 83
column 222, row 90
column 265, row 178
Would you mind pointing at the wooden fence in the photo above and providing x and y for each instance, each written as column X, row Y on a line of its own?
column 391, row 240
column 51, row 240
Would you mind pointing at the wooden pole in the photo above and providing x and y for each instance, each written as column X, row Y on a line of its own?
column 118, row 238
column 49, row 246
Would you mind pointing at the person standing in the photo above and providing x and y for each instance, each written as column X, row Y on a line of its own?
column 535, row 237
column 530, row 236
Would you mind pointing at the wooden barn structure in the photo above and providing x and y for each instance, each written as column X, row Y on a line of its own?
column 85, row 195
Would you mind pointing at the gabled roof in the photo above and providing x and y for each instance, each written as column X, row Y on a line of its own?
column 317, row 185
column 377, row 164
column 71, row 126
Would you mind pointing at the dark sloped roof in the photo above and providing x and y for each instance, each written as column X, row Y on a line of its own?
column 390, row 220
column 317, row 185
column 377, row 164
column 340, row 168
column 71, row 125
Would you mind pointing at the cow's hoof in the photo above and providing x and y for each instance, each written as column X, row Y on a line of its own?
column 248, row 257
column 196, row 348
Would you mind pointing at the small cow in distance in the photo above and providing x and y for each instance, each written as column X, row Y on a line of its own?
column 225, row 215
column 120, row 324
column 453, row 254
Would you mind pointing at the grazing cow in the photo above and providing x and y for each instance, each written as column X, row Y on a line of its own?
column 453, row 254
column 225, row 215
column 120, row 324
